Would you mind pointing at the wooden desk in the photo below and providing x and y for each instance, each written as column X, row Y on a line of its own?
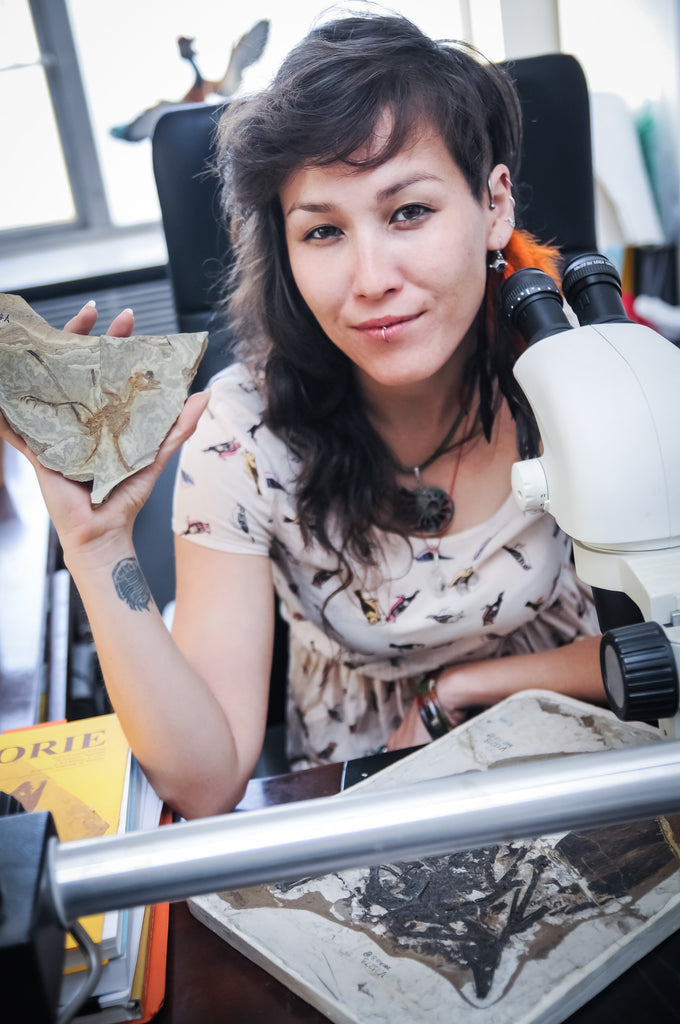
column 210, row 983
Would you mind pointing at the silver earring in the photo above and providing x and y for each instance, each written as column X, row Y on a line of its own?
column 511, row 221
column 492, row 205
column 499, row 262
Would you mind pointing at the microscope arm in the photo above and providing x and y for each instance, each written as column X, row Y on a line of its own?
column 605, row 399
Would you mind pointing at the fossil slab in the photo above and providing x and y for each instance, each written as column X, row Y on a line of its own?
column 93, row 408
column 521, row 931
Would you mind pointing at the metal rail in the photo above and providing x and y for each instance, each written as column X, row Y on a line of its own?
column 361, row 828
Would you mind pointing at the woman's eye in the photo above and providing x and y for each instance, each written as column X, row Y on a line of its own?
column 411, row 212
column 322, row 232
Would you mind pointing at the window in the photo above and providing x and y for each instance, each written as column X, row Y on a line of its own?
column 630, row 57
column 79, row 68
column 34, row 182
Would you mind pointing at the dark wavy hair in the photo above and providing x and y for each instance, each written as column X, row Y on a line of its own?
column 322, row 107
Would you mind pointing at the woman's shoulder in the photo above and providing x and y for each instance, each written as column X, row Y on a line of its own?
column 235, row 419
column 237, row 381
column 236, row 397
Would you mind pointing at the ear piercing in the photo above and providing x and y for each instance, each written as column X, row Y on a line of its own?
column 511, row 220
column 492, row 205
column 499, row 262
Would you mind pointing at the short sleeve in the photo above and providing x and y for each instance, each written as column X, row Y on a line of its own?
column 227, row 478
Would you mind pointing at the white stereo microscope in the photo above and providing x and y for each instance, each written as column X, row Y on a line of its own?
column 606, row 396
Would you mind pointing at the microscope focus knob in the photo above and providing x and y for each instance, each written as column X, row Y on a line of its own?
column 639, row 671
column 529, row 485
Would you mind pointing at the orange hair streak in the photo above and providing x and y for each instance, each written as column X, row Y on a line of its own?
column 524, row 250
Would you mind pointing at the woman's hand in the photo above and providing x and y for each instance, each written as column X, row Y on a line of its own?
column 412, row 732
column 68, row 503
column 84, row 321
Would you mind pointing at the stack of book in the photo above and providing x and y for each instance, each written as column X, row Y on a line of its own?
column 84, row 773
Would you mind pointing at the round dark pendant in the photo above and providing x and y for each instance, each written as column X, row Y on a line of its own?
column 426, row 509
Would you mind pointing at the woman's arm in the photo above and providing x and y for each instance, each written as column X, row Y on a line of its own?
column 194, row 717
column 573, row 670
column 192, row 704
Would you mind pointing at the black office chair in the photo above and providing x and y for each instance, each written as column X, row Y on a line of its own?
column 555, row 200
column 555, row 191
column 198, row 257
column 199, row 252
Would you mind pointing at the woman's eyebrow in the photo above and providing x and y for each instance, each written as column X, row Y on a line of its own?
column 310, row 208
column 399, row 186
column 382, row 196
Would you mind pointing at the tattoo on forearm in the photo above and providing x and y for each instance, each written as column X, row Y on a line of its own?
column 130, row 584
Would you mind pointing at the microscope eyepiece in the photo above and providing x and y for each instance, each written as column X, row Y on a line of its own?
column 592, row 287
column 532, row 301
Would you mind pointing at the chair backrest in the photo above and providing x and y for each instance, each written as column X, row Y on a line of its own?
column 197, row 244
column 199, row 252
column 555, row 190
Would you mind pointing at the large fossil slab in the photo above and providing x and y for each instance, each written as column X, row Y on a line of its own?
column 93, row 408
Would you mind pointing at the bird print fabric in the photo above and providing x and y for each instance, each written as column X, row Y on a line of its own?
column 357, row 652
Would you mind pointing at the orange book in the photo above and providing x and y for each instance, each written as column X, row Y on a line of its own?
column 79, row 771
column 149, row 981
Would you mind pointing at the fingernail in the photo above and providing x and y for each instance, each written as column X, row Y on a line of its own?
column 127, row 310
column 90, row 303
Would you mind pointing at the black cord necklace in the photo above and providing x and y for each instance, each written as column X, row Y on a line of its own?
column 428, row 508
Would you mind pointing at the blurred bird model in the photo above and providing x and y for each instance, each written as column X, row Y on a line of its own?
column 244, row 53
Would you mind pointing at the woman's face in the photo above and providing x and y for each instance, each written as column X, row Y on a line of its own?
column 392, row 260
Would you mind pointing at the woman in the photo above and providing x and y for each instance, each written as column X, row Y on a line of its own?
column 357, row 454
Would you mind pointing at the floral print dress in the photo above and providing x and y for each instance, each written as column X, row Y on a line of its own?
column 504, row 587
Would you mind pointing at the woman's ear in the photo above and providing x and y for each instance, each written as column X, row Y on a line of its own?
column 501, row 213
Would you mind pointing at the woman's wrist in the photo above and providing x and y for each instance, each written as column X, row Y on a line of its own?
column 457, row 693
column 98, row 556
column 436, row 715
column 431, row 712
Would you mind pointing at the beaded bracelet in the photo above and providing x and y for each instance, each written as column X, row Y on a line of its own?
column 431, row 712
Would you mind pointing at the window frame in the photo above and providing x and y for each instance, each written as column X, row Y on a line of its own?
column 59, row 59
